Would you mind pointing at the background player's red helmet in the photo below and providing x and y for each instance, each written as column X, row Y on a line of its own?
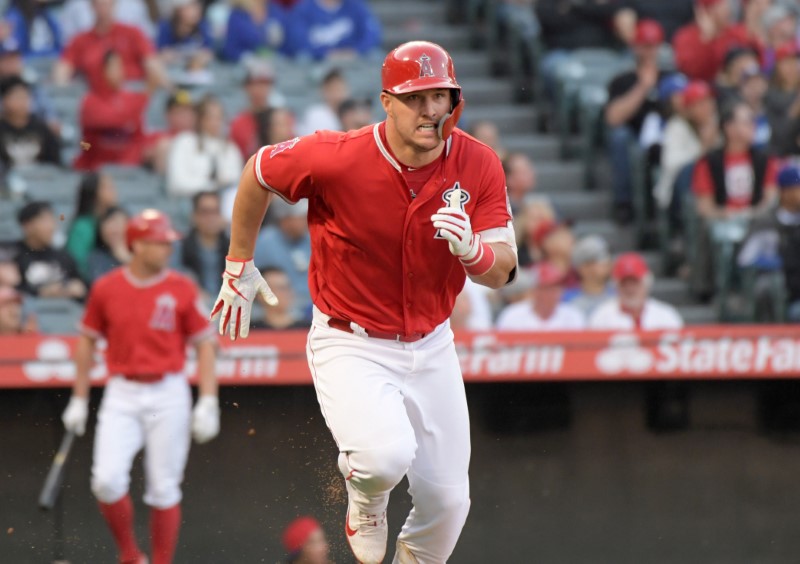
column 422, row 65
column 150, row 225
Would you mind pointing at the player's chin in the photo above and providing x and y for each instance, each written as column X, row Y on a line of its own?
column 426, row 141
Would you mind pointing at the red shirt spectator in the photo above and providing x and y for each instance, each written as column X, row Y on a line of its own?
column 112, row 121
column 258, row 85
column 738, row 180
column 700, row 46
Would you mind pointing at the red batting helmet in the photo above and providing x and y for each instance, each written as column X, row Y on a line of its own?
column 150, row 225
column 422, row 65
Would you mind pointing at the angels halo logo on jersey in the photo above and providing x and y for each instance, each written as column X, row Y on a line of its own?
column 163, row 318
column 278, row 148
column 425, row 68
column 465, row 197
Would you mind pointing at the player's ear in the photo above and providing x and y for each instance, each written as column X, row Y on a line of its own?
column 386, row 102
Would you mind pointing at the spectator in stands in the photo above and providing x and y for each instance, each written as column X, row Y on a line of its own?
column 592, row 260
column 474, row 307
column 9, row 271
column 773, row 243
column 544, row 310
column 735, row 179
column 688, row 136
column 336, row 29
column 78, row 16
column 737, row 62
column 11, row 64
column 752, row 90
column 184, row 36
column 535, row 212
column 334, row 90
column 11, row 319
column 304, row 541
column 112, row 120
column 670, row 15
column 284, row 315
column 33, row 27
column 779, row 27
column 752, row 18
column 274, row 126
column 24, row 137
column 487, row 133
column 46, row 272
column 287, row 246
column 355, row 114
column 202, row 252
column 203, row 159
column 96, row 195
column 86, row 53
column 180, row 117
column 520, row 289
column 555, row 242
column 782, row 101
column 633, row 308
column 574, row 24
column 258, row 27
column 520, row 179
column 631, row 96
column 111, row 248
column 700, row 46
column 258, row 85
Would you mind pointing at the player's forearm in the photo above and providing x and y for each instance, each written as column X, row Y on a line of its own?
column 206, row 374
column 248, row 212
column 504, row 262
column 84, row 353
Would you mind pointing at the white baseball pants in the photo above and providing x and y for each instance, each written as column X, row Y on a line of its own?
column 398, row 409
column 133, row 415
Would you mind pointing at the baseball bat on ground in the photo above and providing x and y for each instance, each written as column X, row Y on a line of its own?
column 52, row 484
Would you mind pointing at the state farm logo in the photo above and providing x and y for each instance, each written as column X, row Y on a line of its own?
column 625, row 354
column 54, row 362
column 486, row 355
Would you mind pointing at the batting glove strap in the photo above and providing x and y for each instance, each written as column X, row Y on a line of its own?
column 75, row 415
column 205, row 419
column 482, row 261
column 241, row 282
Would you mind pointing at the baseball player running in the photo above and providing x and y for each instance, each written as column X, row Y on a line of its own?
column 400, row 212
column 147, row 314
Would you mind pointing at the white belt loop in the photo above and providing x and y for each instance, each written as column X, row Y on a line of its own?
column 358, row 329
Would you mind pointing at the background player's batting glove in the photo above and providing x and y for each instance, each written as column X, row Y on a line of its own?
column 74, row 417
column 241, row 281
column 454, row 225
column 205, row 419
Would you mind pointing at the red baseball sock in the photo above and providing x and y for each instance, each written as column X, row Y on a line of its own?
column 164, row 527
column 119, row 516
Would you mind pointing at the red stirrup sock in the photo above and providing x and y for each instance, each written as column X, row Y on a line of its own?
column 164, row 527
column 119, row 517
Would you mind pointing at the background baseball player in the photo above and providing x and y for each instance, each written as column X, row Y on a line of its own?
column 399, row 213
column 147, row 314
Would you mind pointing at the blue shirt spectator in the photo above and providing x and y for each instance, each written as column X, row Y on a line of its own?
column 263, row 26
column 336, row 27
column 33, row 28
column 186, row 30
column 287, row 246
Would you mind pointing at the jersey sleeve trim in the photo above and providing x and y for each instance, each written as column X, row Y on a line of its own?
column 203, row 335
column 89, row 331
column 260, row 178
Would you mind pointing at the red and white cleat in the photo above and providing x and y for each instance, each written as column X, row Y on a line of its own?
column 366, row 533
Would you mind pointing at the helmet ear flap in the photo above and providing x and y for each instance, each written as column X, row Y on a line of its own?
column 449, row 121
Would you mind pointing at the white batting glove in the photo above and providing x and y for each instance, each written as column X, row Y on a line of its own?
column 74, row 417
column 454, row 225
column 241, row 281
column 205, row 419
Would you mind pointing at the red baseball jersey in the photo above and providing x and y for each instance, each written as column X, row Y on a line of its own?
column 147, row 324
column 376, row 258
column 86, row 52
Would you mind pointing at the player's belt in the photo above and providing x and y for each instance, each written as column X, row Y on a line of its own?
column 144, row 378
column 343, row 325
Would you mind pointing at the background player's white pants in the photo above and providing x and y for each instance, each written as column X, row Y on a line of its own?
column 134, row 415
column 396, row 408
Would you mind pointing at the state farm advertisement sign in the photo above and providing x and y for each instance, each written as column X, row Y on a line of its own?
column 709, row 352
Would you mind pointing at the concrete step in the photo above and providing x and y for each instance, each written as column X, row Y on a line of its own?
column 673, row 291
column 578, row 206
column 486, row 90
column 406, row 15
column 470, row 63
column 452, row 38
column 698, row 314
column 619, row 239
column 540, row 148
column 509, row 118
column 556, row 177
